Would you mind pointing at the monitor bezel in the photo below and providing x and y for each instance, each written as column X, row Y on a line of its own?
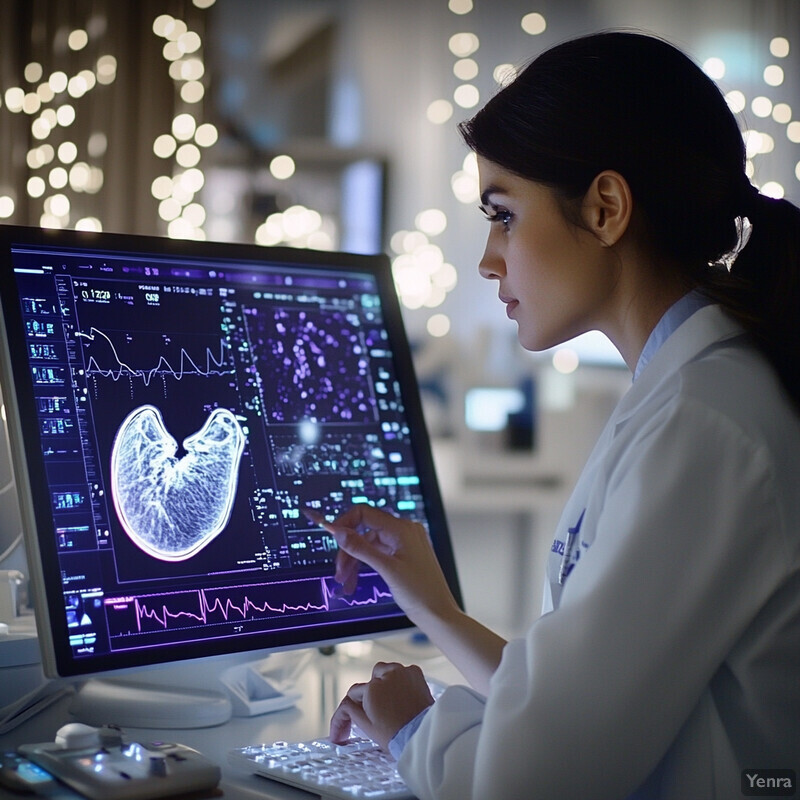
column 28, row 463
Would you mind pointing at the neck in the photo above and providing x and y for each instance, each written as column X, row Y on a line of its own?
column 638, row 309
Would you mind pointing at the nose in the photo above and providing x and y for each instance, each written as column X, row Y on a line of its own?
column 491, row 266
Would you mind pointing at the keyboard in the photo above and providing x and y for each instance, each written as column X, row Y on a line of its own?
column 356, row 770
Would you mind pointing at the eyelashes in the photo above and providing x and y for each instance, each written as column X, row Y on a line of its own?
column 497, row 214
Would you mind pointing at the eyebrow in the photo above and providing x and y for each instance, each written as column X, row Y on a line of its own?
column 489, row 191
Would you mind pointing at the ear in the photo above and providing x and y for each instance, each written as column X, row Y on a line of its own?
column 608, row 206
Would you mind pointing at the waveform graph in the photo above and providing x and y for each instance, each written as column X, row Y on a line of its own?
column 371, row 593
column 142, row 359
column 196, row 614
column 209, row 608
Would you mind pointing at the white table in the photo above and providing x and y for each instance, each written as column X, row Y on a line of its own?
column 323, row 682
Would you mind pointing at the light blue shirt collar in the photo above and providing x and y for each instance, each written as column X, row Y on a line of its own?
column 673, row 318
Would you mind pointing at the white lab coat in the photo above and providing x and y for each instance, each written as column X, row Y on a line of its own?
column 671, row 660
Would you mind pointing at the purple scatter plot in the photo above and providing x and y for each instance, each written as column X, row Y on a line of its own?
column 315, row 366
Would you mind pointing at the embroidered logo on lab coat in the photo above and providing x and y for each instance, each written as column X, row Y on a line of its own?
column 570, row 554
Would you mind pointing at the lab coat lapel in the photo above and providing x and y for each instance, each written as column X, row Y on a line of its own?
column 708, row 326
column 705, row 328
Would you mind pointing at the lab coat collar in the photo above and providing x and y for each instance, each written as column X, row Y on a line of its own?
column 707, row 326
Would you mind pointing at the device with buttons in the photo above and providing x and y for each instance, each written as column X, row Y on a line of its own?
column 101, row 765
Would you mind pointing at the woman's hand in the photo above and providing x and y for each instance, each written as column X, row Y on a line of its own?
column 380, row 708
column 400, row 551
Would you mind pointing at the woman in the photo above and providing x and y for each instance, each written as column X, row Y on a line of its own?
column 668, row 657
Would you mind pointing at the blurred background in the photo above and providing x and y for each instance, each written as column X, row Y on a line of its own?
column 331, row 124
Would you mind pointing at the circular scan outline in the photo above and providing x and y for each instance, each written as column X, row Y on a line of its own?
column 129, row 529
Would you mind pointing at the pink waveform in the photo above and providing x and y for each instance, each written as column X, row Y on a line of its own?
column 227, row 607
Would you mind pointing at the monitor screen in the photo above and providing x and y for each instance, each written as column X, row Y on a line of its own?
column 173, row 406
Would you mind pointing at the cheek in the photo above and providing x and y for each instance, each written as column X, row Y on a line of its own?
column 539, row 273
column 537, row 250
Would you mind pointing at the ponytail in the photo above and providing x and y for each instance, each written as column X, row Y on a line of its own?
column 768, row 271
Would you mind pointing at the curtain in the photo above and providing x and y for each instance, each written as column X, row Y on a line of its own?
column 86, row 89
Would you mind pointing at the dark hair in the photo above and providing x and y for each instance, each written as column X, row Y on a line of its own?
column 635, row 104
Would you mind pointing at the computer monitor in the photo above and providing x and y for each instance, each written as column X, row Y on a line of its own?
column 172, row 408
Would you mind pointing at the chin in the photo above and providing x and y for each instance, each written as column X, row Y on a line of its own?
column 533, row 343
column 537, row 338
column 534, row 340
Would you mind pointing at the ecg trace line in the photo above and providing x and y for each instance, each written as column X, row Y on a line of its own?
column 228, row 606
column 163, row 365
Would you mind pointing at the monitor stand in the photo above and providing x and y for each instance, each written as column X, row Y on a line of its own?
column 180, row 697
column 114, row 701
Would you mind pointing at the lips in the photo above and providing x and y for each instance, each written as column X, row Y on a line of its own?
column 510, row 302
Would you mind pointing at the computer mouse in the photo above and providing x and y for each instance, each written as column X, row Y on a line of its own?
column 77, row 734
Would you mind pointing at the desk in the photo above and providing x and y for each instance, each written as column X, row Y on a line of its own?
column 323, row 683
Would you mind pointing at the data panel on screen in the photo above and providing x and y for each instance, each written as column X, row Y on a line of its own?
column 178, row 406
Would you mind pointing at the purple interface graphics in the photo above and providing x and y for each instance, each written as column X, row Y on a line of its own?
column 187, row 413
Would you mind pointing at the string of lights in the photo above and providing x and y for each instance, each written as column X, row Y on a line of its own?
column 49, row 102
column 181, row 148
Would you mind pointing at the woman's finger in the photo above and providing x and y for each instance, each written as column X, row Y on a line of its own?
column 350, row 711
column 346, row 571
